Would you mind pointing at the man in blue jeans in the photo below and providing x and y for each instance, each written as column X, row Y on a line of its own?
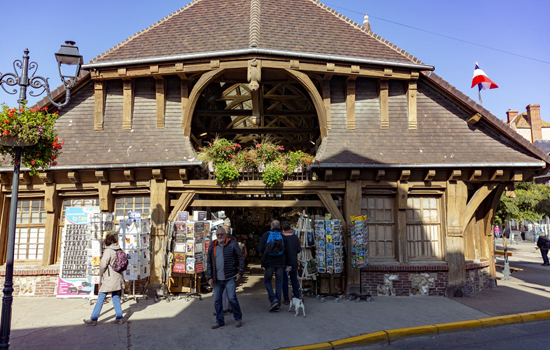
column 225, row 268
column 292, row 247
column 274, row 264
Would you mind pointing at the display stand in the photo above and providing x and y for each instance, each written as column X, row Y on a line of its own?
column 163, row 292
column 134, row 239
column 99, row 225
column 307, row 265
column 329, row 254
column 359, row 249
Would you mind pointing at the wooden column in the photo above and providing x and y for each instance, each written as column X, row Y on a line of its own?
column 161, row 100
column 384, row 104
column 51, row 203
column 184, row 100
column 352, row 207
column 456, row 198
column 326, row 100
column 106, row 203
column 159, row 214
column 127, row 104
column 99, row 110
column 402, row 199
column 350, row 103
column 412, row 92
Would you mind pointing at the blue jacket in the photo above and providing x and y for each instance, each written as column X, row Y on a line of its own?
column 233, row 260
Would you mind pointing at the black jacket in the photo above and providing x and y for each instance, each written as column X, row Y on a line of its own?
column 292, row 247
column 233, row 260
column 543, row 242
column 271, row 260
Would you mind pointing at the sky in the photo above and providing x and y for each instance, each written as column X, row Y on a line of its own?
column 509, row 39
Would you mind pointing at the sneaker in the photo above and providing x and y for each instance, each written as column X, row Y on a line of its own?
column 216, row 325
column 118, row 320
column 90, row 322
column 274, row 305
column 277, row 309
column 286, row 302
column 238, row 324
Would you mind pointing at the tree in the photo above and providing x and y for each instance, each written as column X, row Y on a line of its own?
column 531, row 203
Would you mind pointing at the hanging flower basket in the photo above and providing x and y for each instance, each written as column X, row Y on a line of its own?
column 32, row 129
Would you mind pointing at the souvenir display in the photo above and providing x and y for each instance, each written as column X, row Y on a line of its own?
column 359, row 241
column 134, row 237
column 328, row 245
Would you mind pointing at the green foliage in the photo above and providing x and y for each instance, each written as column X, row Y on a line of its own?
column 226, row 172
column 273, row 174
column 219, row 151
column 297, row 159
column 528, row 204
column 32, row 126
column 269, row 152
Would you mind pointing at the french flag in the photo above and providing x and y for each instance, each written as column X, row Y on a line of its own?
column 482, row 80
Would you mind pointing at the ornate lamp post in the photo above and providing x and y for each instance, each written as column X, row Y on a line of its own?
column 67, row 55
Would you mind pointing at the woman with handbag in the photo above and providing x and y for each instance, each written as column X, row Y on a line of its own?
column 111, row 282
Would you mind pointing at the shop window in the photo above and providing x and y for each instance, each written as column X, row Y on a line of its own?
column 30, row 229
column 69, row 203
column 123, row 205
column 381, row 226
column 423, row 228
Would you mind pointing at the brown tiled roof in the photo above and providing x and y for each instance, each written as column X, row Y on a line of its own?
column 301, row 26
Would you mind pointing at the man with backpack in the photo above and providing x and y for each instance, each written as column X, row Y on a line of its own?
column 273, row 261
column 544, row 244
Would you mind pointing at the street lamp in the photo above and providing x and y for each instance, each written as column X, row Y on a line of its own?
column 67, row 55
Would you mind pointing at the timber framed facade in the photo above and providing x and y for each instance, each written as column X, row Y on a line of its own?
column 391, row 139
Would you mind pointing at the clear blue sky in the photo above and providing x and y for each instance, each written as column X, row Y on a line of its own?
column 521, row 27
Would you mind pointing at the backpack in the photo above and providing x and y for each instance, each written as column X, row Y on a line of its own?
column 275, row 244
column 121, row 261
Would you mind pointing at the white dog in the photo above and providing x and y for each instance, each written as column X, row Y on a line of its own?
column 298, row 304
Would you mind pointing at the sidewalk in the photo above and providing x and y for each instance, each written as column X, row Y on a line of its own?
column 48, row 323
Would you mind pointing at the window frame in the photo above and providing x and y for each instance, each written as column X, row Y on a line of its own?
column 373, row 224
column 19, row 225
column 439, row 255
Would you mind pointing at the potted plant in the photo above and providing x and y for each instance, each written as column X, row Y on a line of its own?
column 32, row 129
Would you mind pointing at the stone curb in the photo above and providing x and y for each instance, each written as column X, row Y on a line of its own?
column 390, row 335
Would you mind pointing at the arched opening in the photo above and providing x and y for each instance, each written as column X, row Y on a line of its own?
column 281, row 111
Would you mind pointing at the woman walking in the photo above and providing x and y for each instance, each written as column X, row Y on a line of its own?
column 111, row 282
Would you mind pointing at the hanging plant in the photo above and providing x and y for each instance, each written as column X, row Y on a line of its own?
column 219, row 151
column 296, row 160
column 35, row 129
column 274, row 174
column 226, row 173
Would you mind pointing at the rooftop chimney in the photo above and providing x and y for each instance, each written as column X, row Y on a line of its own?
column 511, row 115
column 533, row 113
column 366, row 23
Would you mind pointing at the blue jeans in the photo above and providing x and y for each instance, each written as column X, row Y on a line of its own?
column 230, row 287
column 295, row 286
column 99, row 305
column 268, row 274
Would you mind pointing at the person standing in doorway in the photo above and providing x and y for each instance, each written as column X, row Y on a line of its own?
column 292, row 247
column 544, row 244
column 222, row 274
column 273, row 261
column 111, row 282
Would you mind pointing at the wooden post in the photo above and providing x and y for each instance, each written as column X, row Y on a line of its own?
column 161, row 100
column 326, row 100
column 159, row 209
column 352, row 207
column 456, row 198
column 350, row 103
column 184, row 100
column 99, row 111
column 412, row 104
column 127, row 104
column 51, row 203
column 384, row 104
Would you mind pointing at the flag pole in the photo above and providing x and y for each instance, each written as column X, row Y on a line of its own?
column 479, row 94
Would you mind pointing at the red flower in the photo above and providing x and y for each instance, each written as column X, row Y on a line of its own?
column 38, row 154
column 281, row 182
column 45, row 108
column 33, row 162
column 6, row 121
column 6, row 132
column 10, row 115
column 53, row 157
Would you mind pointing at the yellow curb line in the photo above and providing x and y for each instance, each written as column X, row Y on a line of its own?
column 393, row 334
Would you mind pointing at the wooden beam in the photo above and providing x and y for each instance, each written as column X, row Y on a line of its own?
column 402, row 194
column 102, row 175
column 5, row 179
column 350, row 103
column 430, row 175
column 476, row 174
column 184, row 85
column 405, row 175
column 99, row 104
column 517, row 175
column 384, row 104
column 46, row 177
column 476, row 200
column 352, row 207
column 328, row 175
column 184, row 174
column 327, row 100
column 354, row 174
column 412, row 93
column 474, row 119
column 52, row 207
column 127, row 104
column 157, row 174
column 496, row 175
column 239, row 203
column 74, row 177
column 329, row 204
column 106, row 201
column 181, row 204
column 380, row 175
column 160, row 86
column 25, row 178
column 129, row 175
column 455, row 175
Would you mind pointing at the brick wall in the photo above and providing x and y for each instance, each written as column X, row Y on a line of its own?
column 405, row 280
column 33, row 283
column 479, row 277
